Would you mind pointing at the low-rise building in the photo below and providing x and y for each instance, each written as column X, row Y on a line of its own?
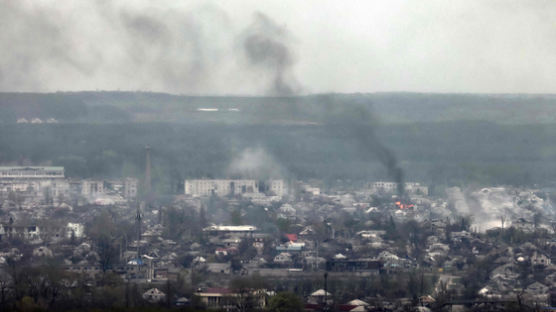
column 227, row 300
column 238, row 230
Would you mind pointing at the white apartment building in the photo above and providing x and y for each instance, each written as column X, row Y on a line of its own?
column 130, row 188
column 392, row 187
column 220, row 187
column 224, row 187
column 92, row 188
column 277, row 187
column 34, row 181
column 34, row 172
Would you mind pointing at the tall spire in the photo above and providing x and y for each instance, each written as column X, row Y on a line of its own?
column 138, row 219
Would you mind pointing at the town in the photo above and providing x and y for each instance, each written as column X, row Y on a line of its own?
column 235, row 244
column 277, row 156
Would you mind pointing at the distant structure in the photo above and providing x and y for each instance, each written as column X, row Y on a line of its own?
column 34, row 173
column 392, row 187
column 130, row 188
column 25, row 185
column 147, row 170
column 224, row 187
column 138, row 220
column 33, row 180
column 92, row 188
column 237, row 230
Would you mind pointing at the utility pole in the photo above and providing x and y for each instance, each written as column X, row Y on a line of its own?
column 325, row 308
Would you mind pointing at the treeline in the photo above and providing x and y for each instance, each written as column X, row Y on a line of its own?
column 434, row 153
column 108, row 107
column 48, row 287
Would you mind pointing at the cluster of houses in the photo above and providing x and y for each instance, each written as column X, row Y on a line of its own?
column 300, row 231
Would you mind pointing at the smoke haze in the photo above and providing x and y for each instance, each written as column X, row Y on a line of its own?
column 255, row 163
column 110, row 45
column 205, row 47
column 356, row 122
column 266, row 47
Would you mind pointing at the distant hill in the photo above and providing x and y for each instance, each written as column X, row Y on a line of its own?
column 110, row 107
column 439, row 139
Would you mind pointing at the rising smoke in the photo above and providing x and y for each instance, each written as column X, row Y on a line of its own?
column 182, row 50
column 267, row 48
column 255, row 163
column 356, row 121
column 117, row 44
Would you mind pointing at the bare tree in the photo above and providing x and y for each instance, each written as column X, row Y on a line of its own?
column 5, row 285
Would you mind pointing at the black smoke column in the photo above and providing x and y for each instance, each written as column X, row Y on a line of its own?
column 355, row 121
column 266, row 46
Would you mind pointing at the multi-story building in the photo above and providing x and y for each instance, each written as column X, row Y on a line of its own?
column 33, row 181
column 130, row 188
column 224, row 187
column 277, row 187
column 35, row 172
column 392, row 187
column 29, row 184
column 91, row 188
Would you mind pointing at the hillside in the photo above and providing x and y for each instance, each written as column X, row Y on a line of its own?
column 107, row 107
column 437, row 139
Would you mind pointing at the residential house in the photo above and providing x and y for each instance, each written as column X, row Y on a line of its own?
column 154, row 295
column 283, row 258
column 537, row 293
column 540, row 259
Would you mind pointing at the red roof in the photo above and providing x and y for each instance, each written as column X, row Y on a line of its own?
column 292, row 237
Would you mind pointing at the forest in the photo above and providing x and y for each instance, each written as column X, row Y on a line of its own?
column 435, row 139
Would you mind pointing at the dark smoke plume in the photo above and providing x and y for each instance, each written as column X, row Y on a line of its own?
column 102, row 44
column 266, row 46
column 356, row 121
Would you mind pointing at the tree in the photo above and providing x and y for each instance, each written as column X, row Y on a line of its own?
column 285, row 302
column 246, row 250
column 5, row 285
column 203, row 217
column 537, row 219
column 47, row 196
column 283, row 225
column 107, row 252
column 235, row 264
column 236, row 217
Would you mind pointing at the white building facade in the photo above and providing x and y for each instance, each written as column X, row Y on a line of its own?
column 225, row 187
column 392, row 187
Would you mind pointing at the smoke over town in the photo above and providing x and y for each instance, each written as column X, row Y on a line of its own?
column 355, row 121
column 233, row 173
column 115, row 44
column 266, row 47
column 255, row 163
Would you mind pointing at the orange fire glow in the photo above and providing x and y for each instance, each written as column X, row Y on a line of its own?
column 403, row 206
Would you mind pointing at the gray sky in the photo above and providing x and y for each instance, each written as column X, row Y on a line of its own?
column 310, row 46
